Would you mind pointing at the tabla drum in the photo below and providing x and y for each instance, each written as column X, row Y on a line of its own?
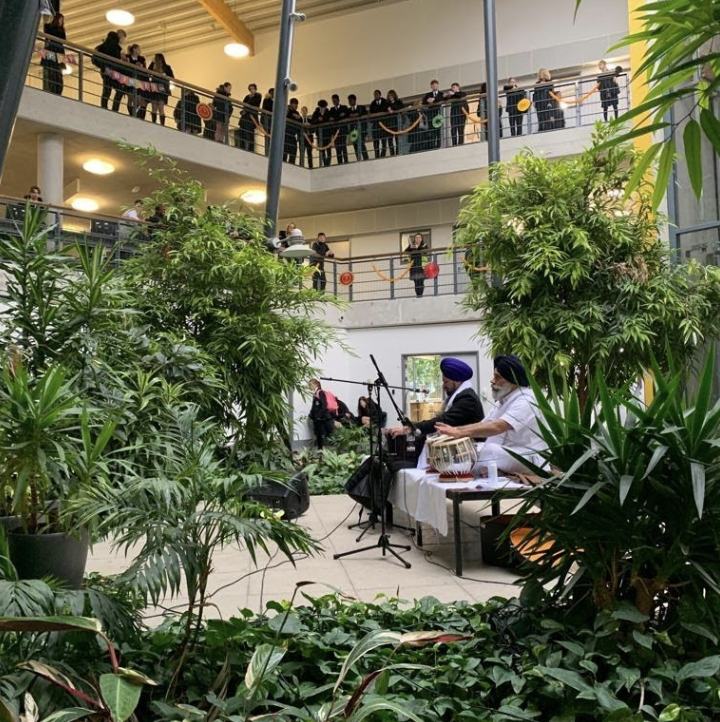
column 453, row 458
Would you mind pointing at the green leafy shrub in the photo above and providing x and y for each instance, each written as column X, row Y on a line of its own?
column 581, row 281
column 633, row 515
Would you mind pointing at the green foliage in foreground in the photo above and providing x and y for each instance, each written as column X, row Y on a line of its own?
column 581, row 281
column 507, row 664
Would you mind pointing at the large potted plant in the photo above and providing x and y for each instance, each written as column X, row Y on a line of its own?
column 49, row 450
column 56, row 308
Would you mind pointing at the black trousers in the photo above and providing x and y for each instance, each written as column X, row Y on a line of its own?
column 516, row 122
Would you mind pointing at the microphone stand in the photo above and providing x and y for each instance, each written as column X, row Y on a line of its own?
column 376, row 484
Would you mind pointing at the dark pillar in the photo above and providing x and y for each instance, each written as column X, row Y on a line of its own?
column 492, row 84
column 277, row 139
column 18, row 25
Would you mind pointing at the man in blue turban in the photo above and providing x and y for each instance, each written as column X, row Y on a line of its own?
column 511, row 425
column 462, row 405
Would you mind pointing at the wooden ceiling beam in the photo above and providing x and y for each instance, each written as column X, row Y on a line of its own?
column 231, row 22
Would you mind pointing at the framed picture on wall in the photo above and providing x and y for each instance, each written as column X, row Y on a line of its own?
column 406, row 237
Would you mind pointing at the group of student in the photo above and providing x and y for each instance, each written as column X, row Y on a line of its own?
column 328, row 413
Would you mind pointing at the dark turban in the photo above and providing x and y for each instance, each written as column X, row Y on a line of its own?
column 455, row 369
column 511, row 369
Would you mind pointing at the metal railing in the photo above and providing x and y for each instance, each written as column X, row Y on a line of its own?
column 95, row 79
column 364, row 278
column 119, row 236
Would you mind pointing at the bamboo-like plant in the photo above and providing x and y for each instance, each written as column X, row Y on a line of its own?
column 634, row 513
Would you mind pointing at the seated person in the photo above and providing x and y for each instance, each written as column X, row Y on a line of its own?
column 343, row 416
column 368, row 412
column 511, row 425
column 461, row 407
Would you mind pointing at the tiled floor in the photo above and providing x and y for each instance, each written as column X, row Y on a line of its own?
column 237, row 583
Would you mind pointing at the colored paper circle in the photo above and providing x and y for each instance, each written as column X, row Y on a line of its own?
column 353, row 135
column 438, row 121
column 432, row 270
column 523, row 105
column 346, row 278
column 204, row 111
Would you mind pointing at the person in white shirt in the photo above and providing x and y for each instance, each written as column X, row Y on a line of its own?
column 134, row 212
column 511, row 425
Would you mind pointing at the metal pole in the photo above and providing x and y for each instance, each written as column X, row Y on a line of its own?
column 277, row 137
column 18, row 26
column 493, row 118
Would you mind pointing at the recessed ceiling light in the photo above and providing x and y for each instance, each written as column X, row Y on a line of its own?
column 98, row 167
column 88, row 205
column 120, row 17
column 237, row 50
column 254, row 196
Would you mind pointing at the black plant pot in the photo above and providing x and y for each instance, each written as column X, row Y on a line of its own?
column 56, row 555
column 9, row 522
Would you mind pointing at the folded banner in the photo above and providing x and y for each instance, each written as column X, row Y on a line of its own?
column 56, row 57
column 135, row 82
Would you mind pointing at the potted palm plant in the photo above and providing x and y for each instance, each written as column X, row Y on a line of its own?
column 49, row 449
column 53, row 314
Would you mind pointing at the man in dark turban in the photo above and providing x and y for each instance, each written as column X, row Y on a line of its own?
column 511, row 425
column 462, row 405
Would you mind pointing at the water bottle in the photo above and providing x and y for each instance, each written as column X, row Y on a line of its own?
column 492, row 470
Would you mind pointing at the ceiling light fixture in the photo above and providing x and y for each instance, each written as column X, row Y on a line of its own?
column 98, row 167
column 237, row 50
column 255, row 197
column 87, row 205
column 119, row 17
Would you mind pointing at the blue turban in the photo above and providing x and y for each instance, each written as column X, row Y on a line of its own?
column 511, row 369
column 455, row 369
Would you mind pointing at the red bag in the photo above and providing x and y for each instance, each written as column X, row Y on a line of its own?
column 330, row 401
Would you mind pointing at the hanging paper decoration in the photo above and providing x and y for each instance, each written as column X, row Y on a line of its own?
column 396, row 278
column 204, row 111
column 432, row 270
column 346, row 278
column 438, row 121
column 308, row 140
column 414, row 125
column 524, row 105
column 353, row 135
column 135, row 82
column 55, row 57
column 574, row 101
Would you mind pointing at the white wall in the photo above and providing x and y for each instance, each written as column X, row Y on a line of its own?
column 405, row 44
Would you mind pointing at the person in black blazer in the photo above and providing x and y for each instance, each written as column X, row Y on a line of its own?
column 53, row 66
column 320, row 119
column 461, row 404
column 356, row 113
column 159, row 99
column 266, row 118
column 293, row 128
column 222, row 110
column 513, row 95
column 338, row 113
column 380, row 138
column 431, row 102
column 110, row 46
column 251, row 101
column 457, row 117
column 395, row 107
column 543, row 101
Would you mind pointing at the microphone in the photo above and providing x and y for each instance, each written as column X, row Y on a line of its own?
column 413, row 429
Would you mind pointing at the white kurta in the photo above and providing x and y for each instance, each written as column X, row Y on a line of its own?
column 519, row 410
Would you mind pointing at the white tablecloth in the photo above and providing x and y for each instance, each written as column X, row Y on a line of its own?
column 422, row 495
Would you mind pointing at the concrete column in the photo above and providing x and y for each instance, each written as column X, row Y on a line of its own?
column 50, row 167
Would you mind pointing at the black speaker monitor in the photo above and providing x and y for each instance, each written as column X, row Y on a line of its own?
column 291, row 497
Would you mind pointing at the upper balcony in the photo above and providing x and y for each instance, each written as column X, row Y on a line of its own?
column 429, row 152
